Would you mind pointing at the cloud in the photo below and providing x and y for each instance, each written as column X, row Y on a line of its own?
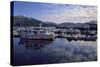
column 69, row 13
column 68, row 52
column 57, row 13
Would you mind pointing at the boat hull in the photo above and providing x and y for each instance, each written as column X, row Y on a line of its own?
column 38, row 37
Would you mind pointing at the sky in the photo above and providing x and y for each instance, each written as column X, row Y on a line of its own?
column 57, row 13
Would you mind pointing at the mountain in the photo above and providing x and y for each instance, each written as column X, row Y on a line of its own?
column 49, row 24
column 79, row 25
column 27, row 21
column 93, row 22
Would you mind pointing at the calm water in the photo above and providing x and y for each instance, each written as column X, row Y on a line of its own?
column 57, row 51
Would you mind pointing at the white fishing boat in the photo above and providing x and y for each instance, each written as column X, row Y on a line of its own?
column 37, row 33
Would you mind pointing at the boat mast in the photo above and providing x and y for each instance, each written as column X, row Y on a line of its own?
column 40, row 26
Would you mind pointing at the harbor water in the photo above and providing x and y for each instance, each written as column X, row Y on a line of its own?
column 60, row 50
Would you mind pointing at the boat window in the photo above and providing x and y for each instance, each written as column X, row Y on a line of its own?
column 41, row 31
column 35, row 32
column 29, row 31
column 25, row 31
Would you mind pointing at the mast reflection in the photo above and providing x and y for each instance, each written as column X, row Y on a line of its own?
column 34, row 44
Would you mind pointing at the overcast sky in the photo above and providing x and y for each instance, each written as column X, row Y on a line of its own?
column 57, row 13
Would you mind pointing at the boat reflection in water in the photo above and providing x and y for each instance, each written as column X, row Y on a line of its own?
column 34, row 44
column 59, row 50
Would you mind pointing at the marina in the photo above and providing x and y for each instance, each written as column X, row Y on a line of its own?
column 48, row 44
column 50, row 33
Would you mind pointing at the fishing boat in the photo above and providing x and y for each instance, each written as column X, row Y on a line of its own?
column 37, row 33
